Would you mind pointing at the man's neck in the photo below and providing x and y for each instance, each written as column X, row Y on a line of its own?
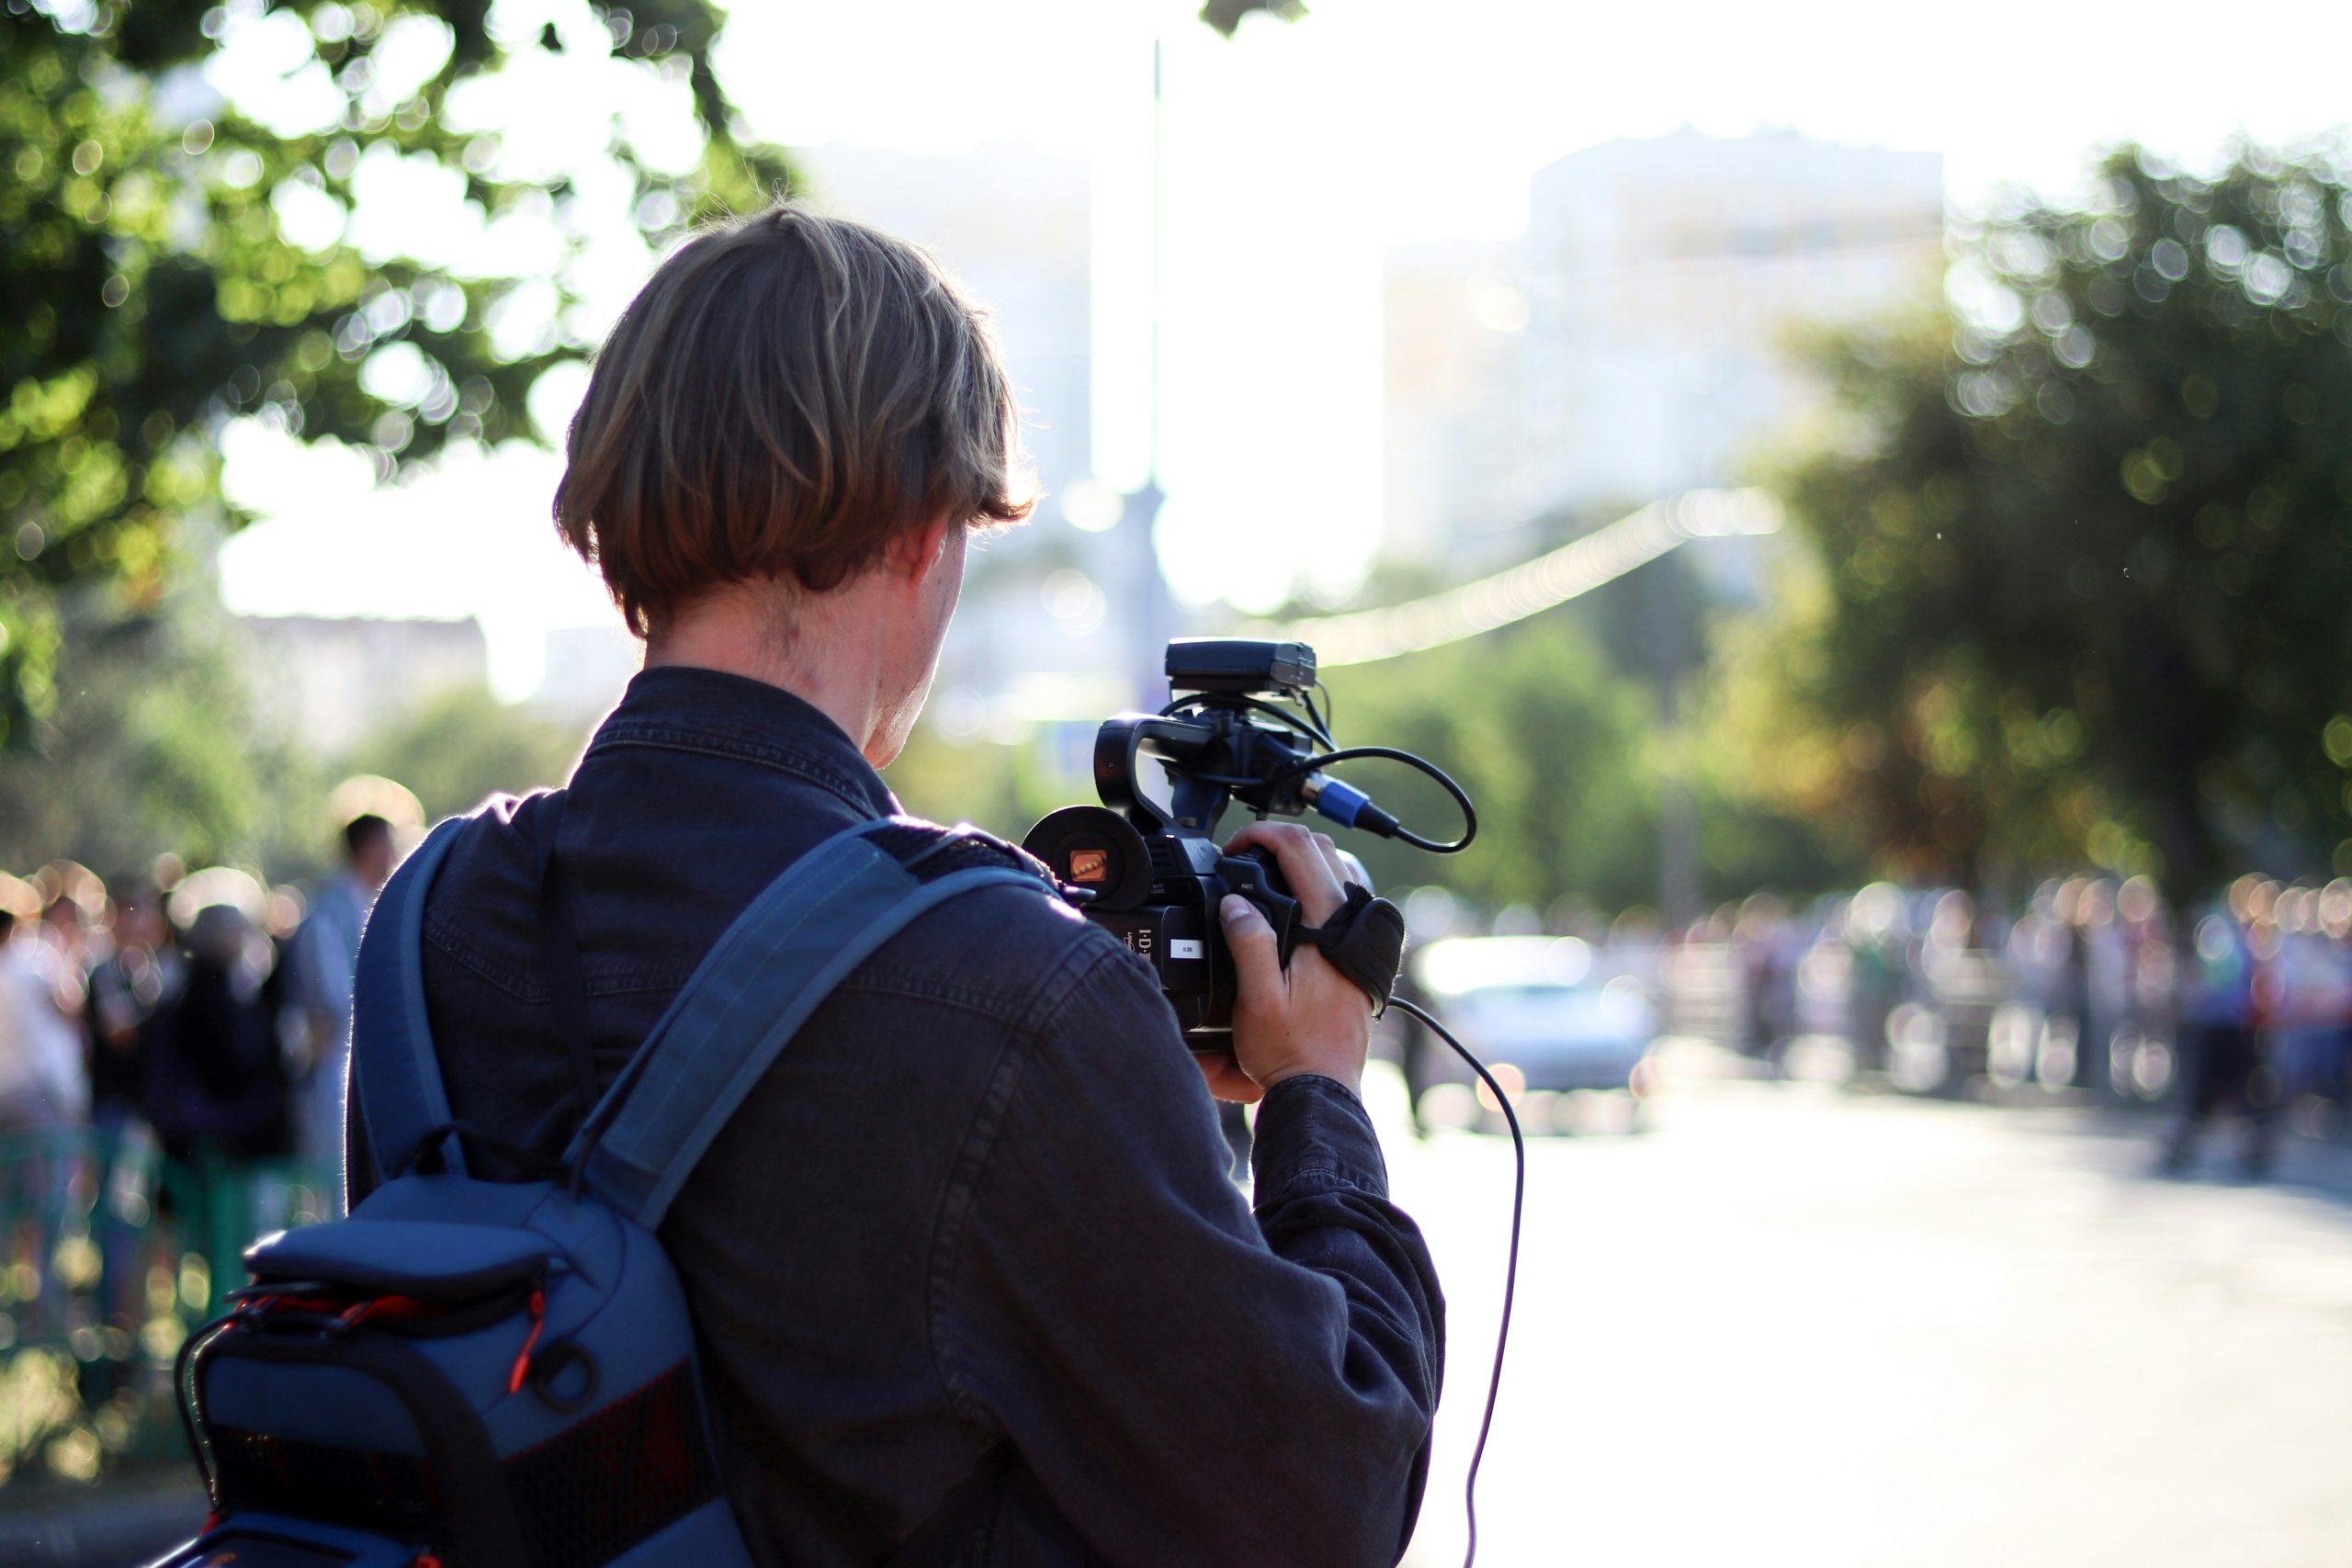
column 828, row 655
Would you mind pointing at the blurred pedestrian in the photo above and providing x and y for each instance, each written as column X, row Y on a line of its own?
column 2070, row 1021
column 1770, row 943
column 2315, row 992
column 217, row 1081
column 2217, row 1035
column 1875, row 940
column 134, row 968
column 43, row 1082
column 2107, row 986
column 318, row 992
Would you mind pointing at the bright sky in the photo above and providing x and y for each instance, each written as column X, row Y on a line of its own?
column 1294, row 153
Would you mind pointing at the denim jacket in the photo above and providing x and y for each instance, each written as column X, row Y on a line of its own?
column 981, row 1198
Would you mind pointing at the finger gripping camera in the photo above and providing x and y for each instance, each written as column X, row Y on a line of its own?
column 1241, row 726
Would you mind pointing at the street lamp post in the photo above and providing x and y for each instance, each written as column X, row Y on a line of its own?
column 1151, row 613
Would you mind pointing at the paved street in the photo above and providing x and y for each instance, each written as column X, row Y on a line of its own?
column 1783, row 1324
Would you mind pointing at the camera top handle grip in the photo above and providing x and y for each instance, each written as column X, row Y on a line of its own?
column 1193, row 805
column 1211, row 758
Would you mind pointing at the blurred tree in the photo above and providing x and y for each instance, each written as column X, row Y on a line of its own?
column 464, row 745
column 133, row 764
column 1551, row 746
column 172, row 260
column 1004, row 786
column 1559, row 750
column 2085, row 545
column 1563, row 729
column 1225, row 15
column 1653, row 621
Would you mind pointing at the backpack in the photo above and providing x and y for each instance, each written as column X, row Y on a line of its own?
column 469, row 1373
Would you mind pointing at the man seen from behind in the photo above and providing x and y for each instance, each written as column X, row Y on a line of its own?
column 979, row 1204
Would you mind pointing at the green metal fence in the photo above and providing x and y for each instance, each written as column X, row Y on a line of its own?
column 111, row 1255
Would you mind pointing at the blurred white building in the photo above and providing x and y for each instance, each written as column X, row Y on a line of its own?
column 1635, row 342
column 587, row 671
column 1456, row 456
column 1017, row 227
column 333, row 682
column 1038, row 636
column 1666, row 276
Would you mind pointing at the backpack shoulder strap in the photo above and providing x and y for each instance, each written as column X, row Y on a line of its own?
column 395, row 1079
column 766, row 974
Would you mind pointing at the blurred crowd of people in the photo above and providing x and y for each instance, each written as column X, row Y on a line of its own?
column 2242, row 1003
column 214, row 1014
column 199, row 1009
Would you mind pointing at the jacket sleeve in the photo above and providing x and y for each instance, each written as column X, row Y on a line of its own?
column 1188, row 1382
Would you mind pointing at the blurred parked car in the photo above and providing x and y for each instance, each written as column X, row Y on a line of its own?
column 1546, row 1014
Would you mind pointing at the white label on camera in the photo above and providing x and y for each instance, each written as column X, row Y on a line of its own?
column 1186, row 947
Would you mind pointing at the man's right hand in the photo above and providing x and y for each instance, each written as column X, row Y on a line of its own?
column 1308, row 1018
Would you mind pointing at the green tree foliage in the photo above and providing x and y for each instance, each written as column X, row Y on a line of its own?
column 1551, row 744
column 458, row 748
column 1003, row 788
column 170, row 263
column 2085, row 545
column 1225, row 15
column 133, row 763
column 1554, row 747
column 1552, row 726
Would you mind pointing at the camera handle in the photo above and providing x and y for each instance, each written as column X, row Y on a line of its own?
column 1209, row 758
column 1119, row 746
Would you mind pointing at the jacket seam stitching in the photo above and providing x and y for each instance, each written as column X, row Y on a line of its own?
column 993, row 1007
column 1283, row 1187
column 516, row 982
column 506, row 977
column 692, row 743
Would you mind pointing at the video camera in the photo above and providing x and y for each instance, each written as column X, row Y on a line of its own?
column 1154, row 874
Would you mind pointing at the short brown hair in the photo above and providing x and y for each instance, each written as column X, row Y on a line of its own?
column 788, row 394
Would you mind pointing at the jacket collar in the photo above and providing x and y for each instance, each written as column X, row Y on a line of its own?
column 681, row 708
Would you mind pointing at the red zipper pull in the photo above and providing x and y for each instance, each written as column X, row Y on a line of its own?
column 523, row 1361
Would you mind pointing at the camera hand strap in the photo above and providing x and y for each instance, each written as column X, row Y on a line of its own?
column 1363, row 940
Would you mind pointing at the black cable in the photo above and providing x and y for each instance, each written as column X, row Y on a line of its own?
column 1510, row 1268
column 1322, row 720
column 1311, row 764
column 1353, row 753
column 1203, row 702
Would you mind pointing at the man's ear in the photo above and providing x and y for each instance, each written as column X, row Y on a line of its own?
column 913, row 553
